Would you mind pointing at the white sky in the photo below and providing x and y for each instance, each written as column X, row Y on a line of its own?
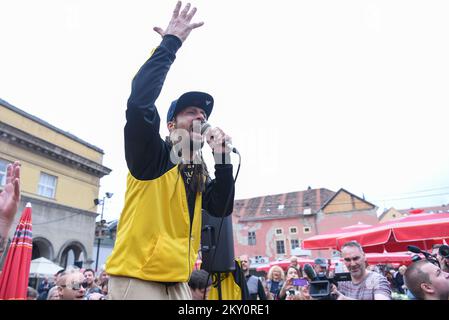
column 327, row 93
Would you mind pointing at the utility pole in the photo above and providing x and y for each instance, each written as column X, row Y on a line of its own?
column 100, row 226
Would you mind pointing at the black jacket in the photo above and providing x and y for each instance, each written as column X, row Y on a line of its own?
column 147, row 154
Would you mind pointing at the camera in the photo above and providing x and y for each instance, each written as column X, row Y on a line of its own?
column 444, row 251
column 321, row 285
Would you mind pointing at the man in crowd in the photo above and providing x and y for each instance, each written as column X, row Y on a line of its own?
column 31, row 294
column 255, row 286
column 58, row 275
column 294, row 262
column 426, row 281
column 320, row 266
column 168, row 184
column 364, row 284
column 444, row 262
column 398, row 280
column 71, row 284
column 89, row 282
column 43, row 289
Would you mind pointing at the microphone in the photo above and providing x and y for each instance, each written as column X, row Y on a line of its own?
column 414, row 249
column 427, row 255
column 205, row 127
column 309, row 271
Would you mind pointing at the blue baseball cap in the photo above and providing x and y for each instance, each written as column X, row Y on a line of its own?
column 191, row 99
column 321, row 262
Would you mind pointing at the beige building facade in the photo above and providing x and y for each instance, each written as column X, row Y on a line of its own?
column 60, row 177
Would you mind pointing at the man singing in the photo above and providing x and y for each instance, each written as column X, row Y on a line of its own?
column 159, row 231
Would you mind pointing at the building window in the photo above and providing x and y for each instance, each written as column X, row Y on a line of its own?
column 278, row 231
column 280, row 248
column 307, row 229
column 251, row 238
column 293, row 230
column 3, row 165
column 47, row 185
column 294, row 243
column 307, row 211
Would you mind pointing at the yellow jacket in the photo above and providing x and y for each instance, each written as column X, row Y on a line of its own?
column 154, row 241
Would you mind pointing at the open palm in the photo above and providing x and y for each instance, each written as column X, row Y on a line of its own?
column 10, row 196
column 180, row 24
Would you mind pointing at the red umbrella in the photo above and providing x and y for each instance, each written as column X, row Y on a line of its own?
column 264, row 267
column 389, row 258
column 285, row 263
column 416, row 211
column 16, row 270
column 328, row 240
column 422, row 230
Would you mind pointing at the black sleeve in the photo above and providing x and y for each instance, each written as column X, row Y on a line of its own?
column 147, row 155
column 261, row 290
column 220, row 192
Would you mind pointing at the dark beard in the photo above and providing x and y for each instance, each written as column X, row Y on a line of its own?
column 195, row 176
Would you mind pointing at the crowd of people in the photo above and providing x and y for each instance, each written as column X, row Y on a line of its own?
column 317, row 281
column 422, row 280
column 72, row 283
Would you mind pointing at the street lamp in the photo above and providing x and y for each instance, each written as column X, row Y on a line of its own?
column 100, row 226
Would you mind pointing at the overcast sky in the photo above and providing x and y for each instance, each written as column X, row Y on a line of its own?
column 332, row 94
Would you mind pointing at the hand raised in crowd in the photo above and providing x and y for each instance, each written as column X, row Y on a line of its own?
column 288, row 285
column 301, row 294
column 179, row 24
column 9, row 198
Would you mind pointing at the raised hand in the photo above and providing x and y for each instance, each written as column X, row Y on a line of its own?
column 9, row 197
column 179, row 24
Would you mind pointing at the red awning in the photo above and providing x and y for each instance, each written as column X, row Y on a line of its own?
column 401, row 258
column 283, row 264
column 422, row 230
column 328, row 240
column 264, row 267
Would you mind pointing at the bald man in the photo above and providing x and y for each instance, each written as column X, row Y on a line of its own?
column 426, row 281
